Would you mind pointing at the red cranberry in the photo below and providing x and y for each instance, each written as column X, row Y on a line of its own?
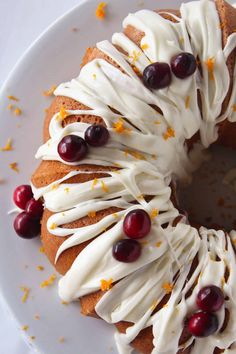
column 96, row 135
column 126, row 250
column 183, row 65
column 26, row 226
column 34, row 208
column 203, row 324
column 157, row 76
column 22, row 194
column 72, row 148
column 137, row 224
column 210, row 298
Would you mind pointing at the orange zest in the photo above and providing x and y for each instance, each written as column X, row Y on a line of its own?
column 14, row 166
column 92, row 214
column 50, row 92
column 26, row 292
column 210, row 63
column 8, row 146
column 13, row 98
column 17, row 111
column 101, row 10
column 63, row 113
column 167, row 287
column 104, row 187
column 170, row 133
column 106, row 284
column 119, row 127
column 154, row 213
column 187, row 102
column 48, row 282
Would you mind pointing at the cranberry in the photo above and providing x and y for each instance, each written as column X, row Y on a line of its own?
column 96, row 135
column 34, row 208
column 26, row 226
column 203, row 324
column 210, row 298
column 183, row 65
column 72, row 148
column 157, row 76
column 137, row 224
column 126, row 250
column 22, row 194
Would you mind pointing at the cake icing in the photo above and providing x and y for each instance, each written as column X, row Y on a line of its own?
column 149, row 149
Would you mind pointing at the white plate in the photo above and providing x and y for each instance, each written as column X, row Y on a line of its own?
column 53, row 58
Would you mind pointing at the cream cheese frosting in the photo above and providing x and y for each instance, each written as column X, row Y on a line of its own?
column 150, row 151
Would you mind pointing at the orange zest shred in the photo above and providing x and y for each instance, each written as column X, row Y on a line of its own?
column 41, row 249
column 154, row 213
column 187, row 102
column 210, row 63
column 8, row 146
column 54, row 186
column 39, row 267
column 144, row 46
column 137, row 155
column 158, row 244
column 50, row 92
column 100, row 10
column 10, row 106
column 167, row 287
column 135, row 56
column 234, row 107
column 13, row 98
column 170, row 133
column 48, row 281
column 119, row 128
column 67, row 189
column 53, row 226
column 17, row 111
column 92, row 214
column 26, row 292
column 64, row 302
column 25, row 328
column 135, row 69
column 63, row 113
column 95, row 182
column 14, row 166
column 106, row 284
column 157, row 122
column 115, row 215
column 104, row 187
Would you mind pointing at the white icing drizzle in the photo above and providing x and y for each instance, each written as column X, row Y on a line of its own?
column 149, row 152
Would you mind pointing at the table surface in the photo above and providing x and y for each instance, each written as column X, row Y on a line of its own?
column 23, row 21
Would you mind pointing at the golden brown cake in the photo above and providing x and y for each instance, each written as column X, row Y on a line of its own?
column 155, row 134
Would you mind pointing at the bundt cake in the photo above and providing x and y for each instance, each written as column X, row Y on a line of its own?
column 140, row 116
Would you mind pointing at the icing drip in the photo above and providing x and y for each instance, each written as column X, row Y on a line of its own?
column 149, row 148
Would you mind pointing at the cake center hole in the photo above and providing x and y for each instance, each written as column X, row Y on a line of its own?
column 210, row 199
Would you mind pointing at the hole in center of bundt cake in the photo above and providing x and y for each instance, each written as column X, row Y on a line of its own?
column 210, row 199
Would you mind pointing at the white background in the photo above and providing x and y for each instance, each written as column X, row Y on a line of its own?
column 22, row 21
